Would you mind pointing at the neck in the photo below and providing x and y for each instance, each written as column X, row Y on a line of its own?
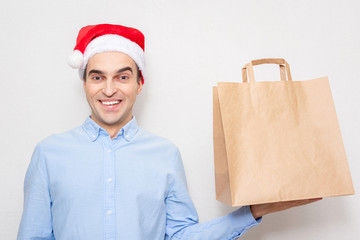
column 112, row 131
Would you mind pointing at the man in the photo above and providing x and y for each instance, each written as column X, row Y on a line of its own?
column 110, row 179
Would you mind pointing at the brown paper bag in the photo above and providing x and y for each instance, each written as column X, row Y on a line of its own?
column 277, row 141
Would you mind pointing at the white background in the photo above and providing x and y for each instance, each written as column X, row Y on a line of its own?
column 190, row 45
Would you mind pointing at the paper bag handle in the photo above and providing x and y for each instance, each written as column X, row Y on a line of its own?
column 248, row 68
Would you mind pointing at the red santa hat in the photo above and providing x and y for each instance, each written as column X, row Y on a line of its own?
column 99, row 38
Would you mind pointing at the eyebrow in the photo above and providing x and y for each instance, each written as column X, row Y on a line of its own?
column 124, row 69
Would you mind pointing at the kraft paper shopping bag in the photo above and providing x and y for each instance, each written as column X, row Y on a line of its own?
column 277, row 141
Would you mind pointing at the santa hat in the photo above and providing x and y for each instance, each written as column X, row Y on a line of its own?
column 99, row 38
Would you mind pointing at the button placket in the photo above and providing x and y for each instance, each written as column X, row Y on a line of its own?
column 109, row 188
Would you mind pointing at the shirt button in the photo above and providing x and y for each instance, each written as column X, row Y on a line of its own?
column 108, row 212
column 109, row 180
column 109, row 150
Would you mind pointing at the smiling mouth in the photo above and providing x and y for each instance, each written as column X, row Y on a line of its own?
column 110, row 103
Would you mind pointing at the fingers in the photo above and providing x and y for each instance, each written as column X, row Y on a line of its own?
column 300, row 202
column 266, row 208
column 290, row 204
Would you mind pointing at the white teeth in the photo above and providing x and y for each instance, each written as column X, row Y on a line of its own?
column 107, row 103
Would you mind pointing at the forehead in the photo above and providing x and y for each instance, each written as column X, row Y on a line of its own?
column 110, row 61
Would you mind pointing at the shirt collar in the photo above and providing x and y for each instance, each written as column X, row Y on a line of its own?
column 129, row 130
column 93, row 130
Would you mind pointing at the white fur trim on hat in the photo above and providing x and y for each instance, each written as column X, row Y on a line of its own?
column 113, row 43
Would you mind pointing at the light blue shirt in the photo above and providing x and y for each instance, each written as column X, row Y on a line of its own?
column 83, row 185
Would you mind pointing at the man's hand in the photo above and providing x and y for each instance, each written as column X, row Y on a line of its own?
column 260, row 210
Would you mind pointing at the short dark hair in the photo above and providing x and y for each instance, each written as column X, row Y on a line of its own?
column 138, row 74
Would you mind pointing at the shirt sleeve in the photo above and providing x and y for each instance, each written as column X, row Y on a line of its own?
column 182, row 220
column 36, row 221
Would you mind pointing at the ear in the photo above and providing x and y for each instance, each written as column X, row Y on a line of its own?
column 139, row 88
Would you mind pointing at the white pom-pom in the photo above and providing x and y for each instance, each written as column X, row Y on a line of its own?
column 75, row 59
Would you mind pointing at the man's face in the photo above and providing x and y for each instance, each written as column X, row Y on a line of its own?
column 111, row 88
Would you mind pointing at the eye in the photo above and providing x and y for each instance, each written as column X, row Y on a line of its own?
column 123, row 77
column 96, row 78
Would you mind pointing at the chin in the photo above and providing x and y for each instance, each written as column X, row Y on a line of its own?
column 112, row 122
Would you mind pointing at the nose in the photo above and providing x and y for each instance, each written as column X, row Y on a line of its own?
column 109, row 88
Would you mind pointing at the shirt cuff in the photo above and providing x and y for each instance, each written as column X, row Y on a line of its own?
column 242, row 220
